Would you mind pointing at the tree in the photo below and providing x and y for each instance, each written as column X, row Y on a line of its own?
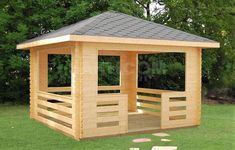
column 211, row 19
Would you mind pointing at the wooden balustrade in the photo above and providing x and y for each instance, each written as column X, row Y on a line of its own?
column 174, row 110
column 149, row 101
column 111, row 116
column 55, row 111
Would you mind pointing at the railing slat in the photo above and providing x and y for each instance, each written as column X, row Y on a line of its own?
column 149, row 98
column 54, row 106
column 108, row 88
column 55, row 115
column 52, row 96
column 55, row 125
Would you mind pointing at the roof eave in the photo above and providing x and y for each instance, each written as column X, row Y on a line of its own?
column 64, row 38
column 120, row 40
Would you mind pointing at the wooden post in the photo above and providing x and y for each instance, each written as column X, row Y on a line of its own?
column 193, row 84
column 33, row 81
column 43, row 69
column 132, row 79
column 128, row 78
column 76, row 67
column 89, row 75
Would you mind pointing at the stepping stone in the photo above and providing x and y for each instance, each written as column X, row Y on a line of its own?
column 165, row 140
column 161, row 134
column 164, row 148
column 134, row 148
column 141, row 140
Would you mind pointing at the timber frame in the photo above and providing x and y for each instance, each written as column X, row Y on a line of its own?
column 84, row 113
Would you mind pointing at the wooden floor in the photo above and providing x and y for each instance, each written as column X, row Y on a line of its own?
column 142, row 122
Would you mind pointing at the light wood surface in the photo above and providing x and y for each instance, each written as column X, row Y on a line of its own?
column 117, row 40
column 85, row 113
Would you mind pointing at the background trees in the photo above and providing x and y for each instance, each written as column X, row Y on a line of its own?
column 21, row 20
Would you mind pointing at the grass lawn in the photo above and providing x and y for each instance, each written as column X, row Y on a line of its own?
column 217, row 132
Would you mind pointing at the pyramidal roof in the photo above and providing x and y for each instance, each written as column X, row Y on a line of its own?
column 115, row 24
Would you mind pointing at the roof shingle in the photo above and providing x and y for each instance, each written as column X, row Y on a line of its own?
column 115, row 24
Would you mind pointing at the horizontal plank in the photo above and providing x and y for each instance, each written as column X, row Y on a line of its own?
column 108, row 114
column 104, row 131
column 54, row 106
column 120, row 98
column 107, row 108
column 146, row 105
column 115, row 102
column 108, row 119
column 108, row 88
column 55, row 125
column 149, row 98
column 65, row 104
column 57, row 97
column 174, row 113
column 59, row 89
column 179, row 103
column 54, row 115
column 151, row 91
column 175, row 94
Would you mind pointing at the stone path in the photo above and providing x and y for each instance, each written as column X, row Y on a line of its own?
column 160, row 134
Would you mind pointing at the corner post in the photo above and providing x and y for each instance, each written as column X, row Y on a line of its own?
column 76, row 64
column 89, row 75
column 34, row 81
column 193, row 85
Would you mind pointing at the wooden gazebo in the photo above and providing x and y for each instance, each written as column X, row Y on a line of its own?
column 86, row 113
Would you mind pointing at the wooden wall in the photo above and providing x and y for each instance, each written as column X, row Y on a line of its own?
column 180, row 109
column 85, row 105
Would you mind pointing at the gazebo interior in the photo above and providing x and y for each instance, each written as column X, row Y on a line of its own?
column 144, row 104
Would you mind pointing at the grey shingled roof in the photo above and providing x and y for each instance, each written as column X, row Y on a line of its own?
column 115, row 24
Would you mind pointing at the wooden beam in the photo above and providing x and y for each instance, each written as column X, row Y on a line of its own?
column 117, row 40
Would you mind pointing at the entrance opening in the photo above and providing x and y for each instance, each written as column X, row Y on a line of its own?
column 157, row 73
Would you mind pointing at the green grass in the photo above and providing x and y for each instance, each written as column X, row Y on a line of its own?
column 217, row 132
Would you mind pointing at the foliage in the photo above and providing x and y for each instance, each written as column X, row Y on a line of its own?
column 212, row 19
column 25, row 19
column 162, row 71
column 59, row 70
column 108, row 70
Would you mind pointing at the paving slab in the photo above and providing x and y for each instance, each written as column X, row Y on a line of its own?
column 161, row 134
column 141, row 140
column 165, row 140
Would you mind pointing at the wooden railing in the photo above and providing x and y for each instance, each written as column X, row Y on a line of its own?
column 112, row 115
column 172, row 106
column 100, row 88
column 149, row 101
column 59, row 89
column 55, row 111
column 109, row 89
column 175, row 110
